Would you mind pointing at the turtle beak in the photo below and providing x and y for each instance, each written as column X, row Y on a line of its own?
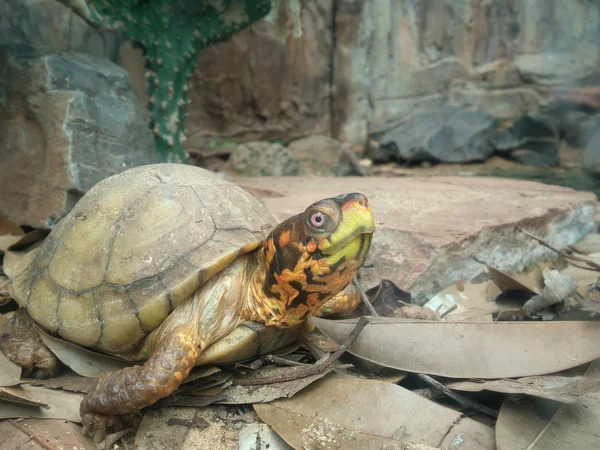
column 352, row 237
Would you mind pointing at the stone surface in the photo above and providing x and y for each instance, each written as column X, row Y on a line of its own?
column 314, row 155
column 444, row 134
column 322, row 155
column 255, row 87
column 591, row 155
column 532, row 140
column 430, row 229
column 255, row 159
column 69, row 121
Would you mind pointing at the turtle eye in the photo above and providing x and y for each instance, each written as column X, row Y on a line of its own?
column 317, row 220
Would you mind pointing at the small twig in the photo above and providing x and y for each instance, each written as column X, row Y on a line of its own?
column 364, row 298
column 461, row 400
column 284, row 362
column 32, row 435
column 315, row 369
column 560, row 252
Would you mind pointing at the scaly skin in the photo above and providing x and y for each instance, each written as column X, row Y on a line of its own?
column 21, row 343
column 344, row 302
column 124, row 392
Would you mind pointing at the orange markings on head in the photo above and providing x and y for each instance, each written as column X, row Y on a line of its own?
column 311, row 246
column 284, row 238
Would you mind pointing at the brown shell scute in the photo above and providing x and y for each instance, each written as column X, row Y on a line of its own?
column 135, row 247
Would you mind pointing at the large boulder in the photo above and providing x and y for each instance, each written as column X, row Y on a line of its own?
column 69, row 120
column 441, row 134
column 432, row 230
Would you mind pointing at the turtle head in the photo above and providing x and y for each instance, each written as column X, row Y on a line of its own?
column 312, row 256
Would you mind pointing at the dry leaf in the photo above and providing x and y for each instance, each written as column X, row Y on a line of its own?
column 553, row 387
column 83, row 362
column 465, row 301
column 19, row 395
column 66, row 381
column 241, row 394
column 10, row 373
column 354, row 413
column 531, row 281
column 588, row 245
column 470, row 349
column 541, row 424
column 8, row 228
column 62, row 405
column 53, row 433
column 583, row 277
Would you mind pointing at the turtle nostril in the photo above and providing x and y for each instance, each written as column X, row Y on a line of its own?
column 362, row 201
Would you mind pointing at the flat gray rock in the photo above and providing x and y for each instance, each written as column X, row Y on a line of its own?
column 441, row 134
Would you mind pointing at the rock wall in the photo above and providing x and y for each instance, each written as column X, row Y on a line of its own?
column 360, row 65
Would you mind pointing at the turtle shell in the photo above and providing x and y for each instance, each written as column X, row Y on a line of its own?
column 136, row 246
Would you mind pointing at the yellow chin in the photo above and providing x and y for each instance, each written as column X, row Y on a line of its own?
column 355, row 250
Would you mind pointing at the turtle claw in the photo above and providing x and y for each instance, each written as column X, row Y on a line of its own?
column 96, row 425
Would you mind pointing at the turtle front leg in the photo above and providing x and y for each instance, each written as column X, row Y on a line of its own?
column 344, row 302
column 121, row 394
column 21, row 343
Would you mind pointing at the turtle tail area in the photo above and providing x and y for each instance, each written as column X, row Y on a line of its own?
column 21, row 343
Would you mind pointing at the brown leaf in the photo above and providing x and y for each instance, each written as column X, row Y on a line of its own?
column 531, row 281
column 19, row 395
column 66, row 381
column 62, row 405
column 8, row 228
column 10, row 373
column 465, row 301
column 539, row 424
column 553, row 387
column 83, row 362
column 43, row 434
column 354, row 413
column 240, row 394
column 470, row 349
column 588, row 245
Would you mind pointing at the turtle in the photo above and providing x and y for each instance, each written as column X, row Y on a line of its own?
column 172, row 266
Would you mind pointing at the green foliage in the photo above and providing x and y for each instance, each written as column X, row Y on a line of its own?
column 172, row 34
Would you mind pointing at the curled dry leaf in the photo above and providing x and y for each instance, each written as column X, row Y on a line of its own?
column 61, row 405
column 83, row 362
column 470, row 349
column 531, row 281
column 354, row 413
column 67, row 381
column 539, row 424
column 386, row 298
column 559, row 388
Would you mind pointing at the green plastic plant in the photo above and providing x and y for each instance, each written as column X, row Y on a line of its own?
column 172, row 34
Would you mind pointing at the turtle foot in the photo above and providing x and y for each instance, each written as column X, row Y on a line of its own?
column 95, row 425
column 21, row 343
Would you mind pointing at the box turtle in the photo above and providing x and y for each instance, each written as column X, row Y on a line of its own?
column 171, row 266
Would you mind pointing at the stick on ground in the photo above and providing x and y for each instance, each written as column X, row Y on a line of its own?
column 315, row 369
